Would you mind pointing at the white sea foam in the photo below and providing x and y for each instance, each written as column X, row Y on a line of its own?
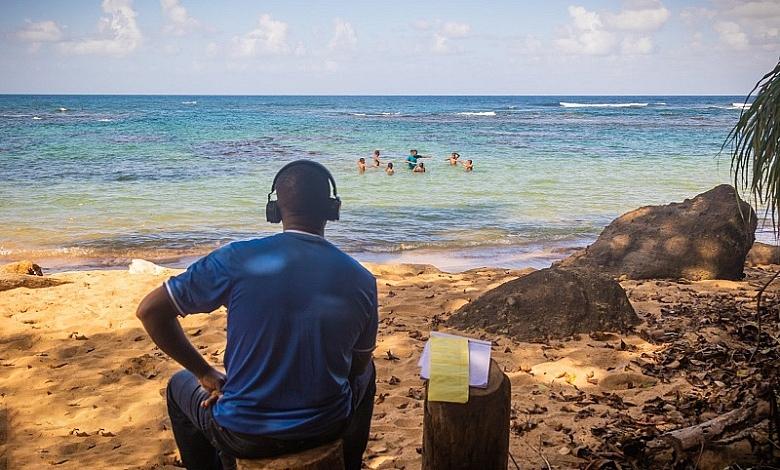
column 566, row 104
column 36, row 118
column 740, row 105
column 105, row 120
column 62, row 110
column 480, row 113
column 374, row 114
column 189, row 102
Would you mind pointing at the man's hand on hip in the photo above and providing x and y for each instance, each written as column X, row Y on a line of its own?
column 212, row 381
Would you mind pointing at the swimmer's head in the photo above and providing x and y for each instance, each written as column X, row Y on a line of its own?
column 390, row 165
column 362, row 160
column 376, row 152
column 413, row 152
column 455, row 155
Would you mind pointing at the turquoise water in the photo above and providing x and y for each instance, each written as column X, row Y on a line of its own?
column 100, row 179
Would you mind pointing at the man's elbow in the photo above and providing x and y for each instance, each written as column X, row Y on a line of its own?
column 143, row 312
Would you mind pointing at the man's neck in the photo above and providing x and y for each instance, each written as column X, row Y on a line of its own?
column 299, row 228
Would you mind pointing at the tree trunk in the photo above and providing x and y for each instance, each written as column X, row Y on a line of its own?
column 326, row 457
column 473, row 435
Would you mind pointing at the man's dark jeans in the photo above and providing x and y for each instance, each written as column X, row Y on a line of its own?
column 205, row 445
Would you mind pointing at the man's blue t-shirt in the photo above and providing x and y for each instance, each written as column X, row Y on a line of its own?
column 297, row 309
column 411, row 160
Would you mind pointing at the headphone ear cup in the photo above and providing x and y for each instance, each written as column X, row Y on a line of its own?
column 272, row 212
column 334, row 209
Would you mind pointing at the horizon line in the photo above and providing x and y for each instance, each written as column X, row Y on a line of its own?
column 369, row 95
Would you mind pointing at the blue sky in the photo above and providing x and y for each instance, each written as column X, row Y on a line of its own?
column 398, row 47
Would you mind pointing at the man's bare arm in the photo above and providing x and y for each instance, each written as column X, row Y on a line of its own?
column 159, row 318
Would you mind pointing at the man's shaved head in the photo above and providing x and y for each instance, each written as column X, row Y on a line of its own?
column 303, row 192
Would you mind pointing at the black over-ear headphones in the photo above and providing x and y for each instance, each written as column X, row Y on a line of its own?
column 272, row 213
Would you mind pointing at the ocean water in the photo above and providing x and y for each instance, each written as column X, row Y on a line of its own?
column 97, row 180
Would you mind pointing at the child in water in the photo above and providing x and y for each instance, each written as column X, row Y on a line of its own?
column 376, row 159
column 453, row 159
column 420, row 168
column 411, row 160
column 389, row 170
column 361, row 164
column 468, row 166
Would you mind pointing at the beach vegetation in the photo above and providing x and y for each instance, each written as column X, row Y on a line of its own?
column 755, row 146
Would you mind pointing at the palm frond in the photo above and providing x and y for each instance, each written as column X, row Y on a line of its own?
column 755, row 146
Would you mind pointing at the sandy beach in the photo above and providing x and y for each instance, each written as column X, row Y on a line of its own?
column 83, row 386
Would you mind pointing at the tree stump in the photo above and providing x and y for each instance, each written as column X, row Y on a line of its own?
column 329, row 456
column 473, row 435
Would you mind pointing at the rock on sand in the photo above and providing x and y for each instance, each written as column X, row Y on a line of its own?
column 550, row 303
column 707, row 237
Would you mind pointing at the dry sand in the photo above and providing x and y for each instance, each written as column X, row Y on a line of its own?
column 83, row 386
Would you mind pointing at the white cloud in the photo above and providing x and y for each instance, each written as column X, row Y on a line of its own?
column 758, row 21
column 587, row 35
column 696, row 40
column 599, row 33
column 453, row 29
column 447, row 31
column 37, row 32
column 422, row 24
column 695, row 16
column 731, row 34
column 756, row 9
column 344, row 37
column 268, row 37
column 179, row 22
column 637, row 46
column 638, row 20
column 212, row 49
column 118, row 32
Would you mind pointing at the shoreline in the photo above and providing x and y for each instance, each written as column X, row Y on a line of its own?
column 451, row 260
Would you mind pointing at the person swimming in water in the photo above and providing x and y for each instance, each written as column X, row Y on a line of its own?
column 411, row 160
column 469, row 165
column 361, row 164
column 420, row 168
column 453, row 159
column 389, row 170
column 375, row 158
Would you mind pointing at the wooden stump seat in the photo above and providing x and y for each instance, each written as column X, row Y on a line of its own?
column 472, row 435
column 329, row 456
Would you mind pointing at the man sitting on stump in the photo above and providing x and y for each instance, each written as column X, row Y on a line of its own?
column 301, row 328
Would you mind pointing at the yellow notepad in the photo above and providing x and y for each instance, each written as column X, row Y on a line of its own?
column 449, row 370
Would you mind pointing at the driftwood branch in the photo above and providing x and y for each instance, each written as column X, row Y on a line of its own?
column 694, row 437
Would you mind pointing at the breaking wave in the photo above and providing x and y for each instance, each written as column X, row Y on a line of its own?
column 567, row 104
column 478, row 113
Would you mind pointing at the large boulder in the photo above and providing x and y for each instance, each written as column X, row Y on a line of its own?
column 707, row 237
column 550, row 303
column 763, row 254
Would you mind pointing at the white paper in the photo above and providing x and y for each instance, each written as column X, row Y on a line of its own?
column 479, row 360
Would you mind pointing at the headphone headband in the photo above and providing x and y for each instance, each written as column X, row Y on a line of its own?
column 310, row 163
column 272, row 212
